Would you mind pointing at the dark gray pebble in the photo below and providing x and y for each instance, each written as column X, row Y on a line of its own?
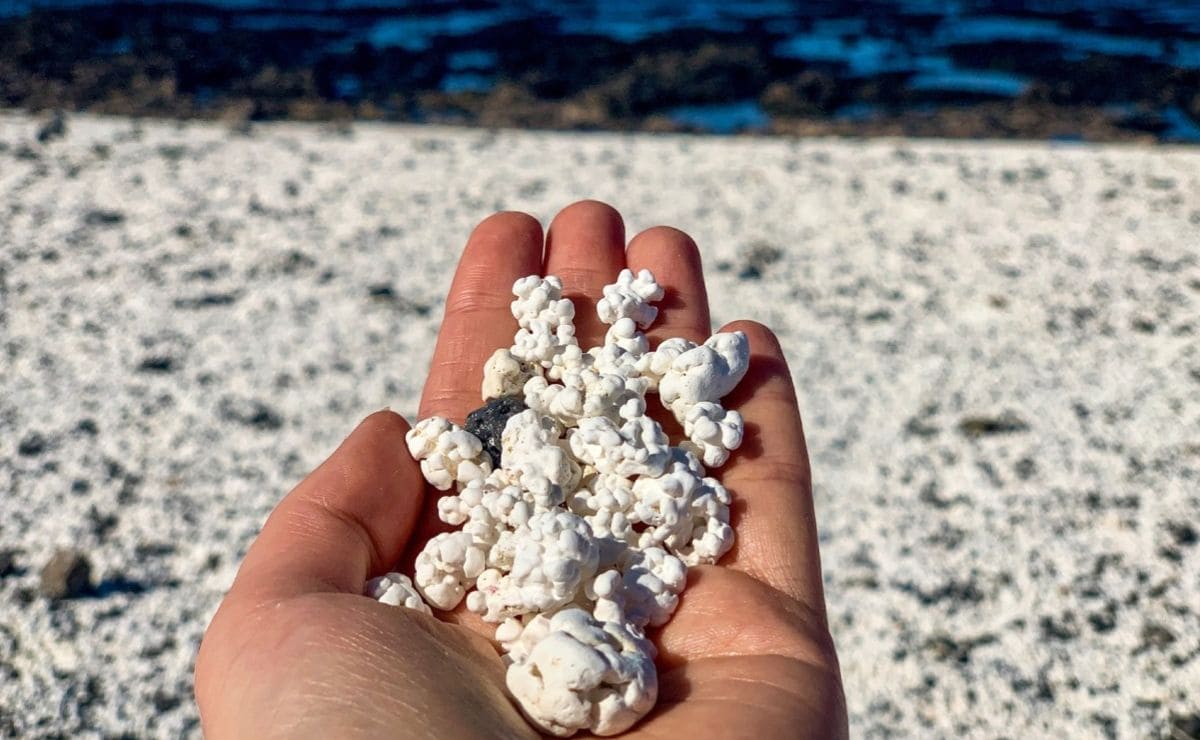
column 487, row 422
column 68, row 575
column 8, row 563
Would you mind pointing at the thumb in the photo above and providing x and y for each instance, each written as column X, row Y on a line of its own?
column 348, row 520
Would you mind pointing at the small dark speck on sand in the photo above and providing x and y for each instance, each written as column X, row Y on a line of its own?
column 157, row 364
column 207, row 300
column 164, row 702
column 1183, row 533
column 946, row 647
column 55, row 128
column 88, row 427
column 8, row 563
column 249, row 412
column 759, row 256
column 100, row 217
column 384, row 293
column 32, row 444
column 984, row 426
column 920, row 427
column 68, row 575
column 1155, row 635
column 102, row 524
column 154, row 550
column 1063, row 628
column 879, row 314
column 1104, row 620
column 172, row 152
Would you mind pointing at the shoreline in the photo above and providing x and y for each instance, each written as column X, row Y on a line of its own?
column 890, row 73
column 49, row 120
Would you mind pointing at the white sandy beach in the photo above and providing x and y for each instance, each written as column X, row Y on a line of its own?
column 997, row 350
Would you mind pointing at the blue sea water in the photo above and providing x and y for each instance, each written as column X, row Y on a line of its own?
column 858, row 38
column 722, row 118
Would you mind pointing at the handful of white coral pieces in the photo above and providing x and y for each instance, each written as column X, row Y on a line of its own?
column 579, row 518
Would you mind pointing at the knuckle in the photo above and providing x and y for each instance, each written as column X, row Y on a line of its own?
column 474, row 300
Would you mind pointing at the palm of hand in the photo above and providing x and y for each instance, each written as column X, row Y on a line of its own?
column 295, row 650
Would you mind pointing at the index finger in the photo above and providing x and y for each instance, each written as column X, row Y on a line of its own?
column 478, row 320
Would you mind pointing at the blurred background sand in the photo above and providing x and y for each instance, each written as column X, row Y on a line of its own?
column 995, row 347
column 227, row 228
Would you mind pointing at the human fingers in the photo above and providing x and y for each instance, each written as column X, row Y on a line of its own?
column 675, row 261
column 770, row 479
column 585, row 246
column 348, row 520
column 478, row 320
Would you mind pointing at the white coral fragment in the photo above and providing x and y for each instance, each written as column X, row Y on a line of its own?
column 533, row 456
column 631, row 297
column 585, row 393
column 540, row 299
column 637, row 447
column 713, row 432
column 581, row 535
column 504, row 374
column 711, row 536
column 705, row 373
column 575, row 672
column 448, row 453
column 644, row 590
column 552, row 556
column 396, row 589
column 545, row 319
column 447, row 565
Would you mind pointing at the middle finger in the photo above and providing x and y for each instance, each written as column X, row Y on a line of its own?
column 585, row 246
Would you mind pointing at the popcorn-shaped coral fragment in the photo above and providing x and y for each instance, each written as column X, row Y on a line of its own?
column 574, row 672
column 545, row 320
column 643, row 590
column 637, row 447
column 713, row 432
column 448, row 453
column 540, row 299
column 396, row 589
column 532, row 454
column 504, row 374
column 711, row 536
column 631, row 297
column 585, row 393
column 705, row 373
column 552, row 556
column 578, row 519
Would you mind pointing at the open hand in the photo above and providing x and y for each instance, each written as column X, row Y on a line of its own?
column 295, row 650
